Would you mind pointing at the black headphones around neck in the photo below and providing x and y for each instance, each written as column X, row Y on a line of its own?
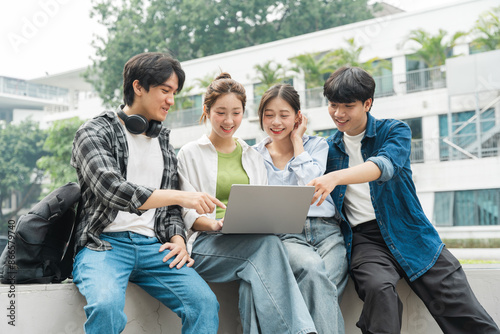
column 138, row 124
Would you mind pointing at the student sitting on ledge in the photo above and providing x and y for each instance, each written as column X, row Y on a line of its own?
column 387, row 235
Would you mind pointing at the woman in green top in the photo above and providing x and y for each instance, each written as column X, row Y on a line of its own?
column 270, row 300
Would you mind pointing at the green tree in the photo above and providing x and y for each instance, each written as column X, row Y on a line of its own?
column 199, row 28
column 183, row 100
column 268, row 74
column 433, row 49
column 59, row 145
column 487, row 30
column 127, row 36
column 205, row 81
column 317, row 66
column 350, row 56
column 20, row 148
column 314, row 67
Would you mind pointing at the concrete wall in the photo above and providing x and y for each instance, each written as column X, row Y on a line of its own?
column 58, row 308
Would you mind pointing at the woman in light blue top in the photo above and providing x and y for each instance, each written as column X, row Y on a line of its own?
column 269, row 299
column 317, row 255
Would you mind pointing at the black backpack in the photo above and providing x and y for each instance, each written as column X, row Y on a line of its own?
column 41, row 248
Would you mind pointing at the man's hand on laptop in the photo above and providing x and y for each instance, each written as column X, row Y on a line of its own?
column 203, row 203
column 323, row 185
column 218, row 224
column 203, row 223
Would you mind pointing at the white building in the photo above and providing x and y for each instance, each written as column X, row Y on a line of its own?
column 454, row 110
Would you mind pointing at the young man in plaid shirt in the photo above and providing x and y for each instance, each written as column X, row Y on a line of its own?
column 131, row 228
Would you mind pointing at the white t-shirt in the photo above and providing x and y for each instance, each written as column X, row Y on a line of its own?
column 358, row 204
column 145, row 167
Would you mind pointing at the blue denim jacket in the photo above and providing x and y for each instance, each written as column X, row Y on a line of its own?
column 409, row 235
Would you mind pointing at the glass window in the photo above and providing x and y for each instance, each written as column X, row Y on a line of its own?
column 467, row 208
column 382, row 74
column 417, row 143
column 474, row 48
column 466, row 134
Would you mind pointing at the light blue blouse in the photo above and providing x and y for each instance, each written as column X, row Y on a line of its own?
column 300, row 170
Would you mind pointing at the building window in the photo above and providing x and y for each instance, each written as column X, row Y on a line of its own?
column 467, row 208
column 420, row 77
column 477, row 136
column 474, row 48
column 417, row 143
column 382, row 74
column 186, row 111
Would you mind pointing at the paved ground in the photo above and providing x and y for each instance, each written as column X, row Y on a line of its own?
column 476, row 253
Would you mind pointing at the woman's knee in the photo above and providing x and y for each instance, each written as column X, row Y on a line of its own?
column 271, row 244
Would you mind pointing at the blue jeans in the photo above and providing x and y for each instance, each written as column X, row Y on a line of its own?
column 318, row 260
column 102, row 278
column 269, row 298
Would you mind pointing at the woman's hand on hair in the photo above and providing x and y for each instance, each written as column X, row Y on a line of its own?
column 300, row 127
column 297, row 133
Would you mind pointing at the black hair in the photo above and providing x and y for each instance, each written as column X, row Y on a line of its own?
column 348, row 85
column 151, row 69
column 283, row 91
column 222, row 85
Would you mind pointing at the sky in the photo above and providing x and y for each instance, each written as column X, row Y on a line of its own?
column 45, row 37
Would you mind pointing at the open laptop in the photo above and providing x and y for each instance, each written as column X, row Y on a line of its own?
column 267, row 209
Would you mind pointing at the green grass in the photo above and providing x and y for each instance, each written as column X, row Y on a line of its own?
column 478, row 261
column 472, row 243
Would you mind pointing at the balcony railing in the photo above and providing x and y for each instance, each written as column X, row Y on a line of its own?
column 183, row 118
column 417, row 151
column 420, row 80
column 387, row 85
column 27, row 89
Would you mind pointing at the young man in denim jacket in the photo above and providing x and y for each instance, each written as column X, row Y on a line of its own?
column 387, row 235
column 131, row 227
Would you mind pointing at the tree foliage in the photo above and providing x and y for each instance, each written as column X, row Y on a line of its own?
column 314, row 67
column 433, row 49
column 487, row 30
column 58, row 147
column 268, row 73
column 20, row 148
column 317, row 66
column 191, row 29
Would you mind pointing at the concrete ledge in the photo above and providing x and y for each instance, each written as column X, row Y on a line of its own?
column 58, row 308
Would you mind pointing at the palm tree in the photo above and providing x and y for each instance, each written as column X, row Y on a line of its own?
column 350, row 56
column 205, row 81
column 314, row 67
column 268, row 74
column 433, row 49
column 487, row 30
column 183, row 100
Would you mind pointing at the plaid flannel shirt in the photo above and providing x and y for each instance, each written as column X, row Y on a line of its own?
column 100, row 154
